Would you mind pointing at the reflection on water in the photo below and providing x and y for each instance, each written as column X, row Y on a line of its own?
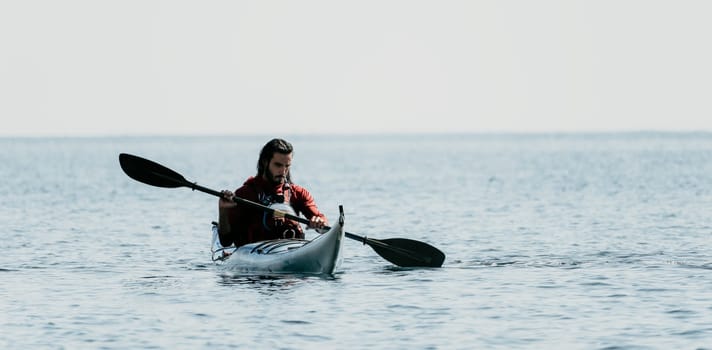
column 272, row 283
column 151, row 284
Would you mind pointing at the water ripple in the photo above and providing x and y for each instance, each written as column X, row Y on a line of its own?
column 552, row 241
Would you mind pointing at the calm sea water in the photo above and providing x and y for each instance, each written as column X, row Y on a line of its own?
column 595, row 241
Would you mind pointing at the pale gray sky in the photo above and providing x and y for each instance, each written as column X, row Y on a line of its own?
column 196, row 67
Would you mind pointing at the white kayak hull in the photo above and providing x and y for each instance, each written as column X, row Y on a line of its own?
column 321, row 255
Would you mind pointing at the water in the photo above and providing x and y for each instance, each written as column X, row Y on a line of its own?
column 553, row 241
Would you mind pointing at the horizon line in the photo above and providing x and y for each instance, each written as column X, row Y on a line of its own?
column 356, row 134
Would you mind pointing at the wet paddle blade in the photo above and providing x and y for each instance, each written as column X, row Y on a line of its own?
column 408, row 253
column 150, row 173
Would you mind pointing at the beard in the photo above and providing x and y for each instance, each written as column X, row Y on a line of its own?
column 275, row 179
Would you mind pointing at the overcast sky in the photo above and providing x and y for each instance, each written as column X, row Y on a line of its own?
column 200, row 67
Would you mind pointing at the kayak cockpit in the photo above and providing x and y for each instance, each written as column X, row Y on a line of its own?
column 321, row 255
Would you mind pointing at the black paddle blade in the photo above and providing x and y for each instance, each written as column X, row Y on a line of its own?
column 150, row 173
column 409, row 253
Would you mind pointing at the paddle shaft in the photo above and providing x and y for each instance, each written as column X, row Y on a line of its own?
column 362, row 239
column 365, row 240
column 399, row 251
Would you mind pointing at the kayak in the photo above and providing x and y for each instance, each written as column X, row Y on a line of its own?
column 319, row 256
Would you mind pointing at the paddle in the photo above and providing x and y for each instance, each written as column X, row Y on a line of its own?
column 399, row 251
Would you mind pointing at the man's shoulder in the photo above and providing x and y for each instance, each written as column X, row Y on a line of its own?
column 296, row 187
column 248, row 187
column 299, row 191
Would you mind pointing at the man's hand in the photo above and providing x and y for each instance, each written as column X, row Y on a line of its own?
column 226, row 200
column 317, row 223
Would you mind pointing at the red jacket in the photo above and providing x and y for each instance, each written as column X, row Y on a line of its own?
column 247, row 225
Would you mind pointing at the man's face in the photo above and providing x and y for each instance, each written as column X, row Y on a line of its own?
column 278, row 168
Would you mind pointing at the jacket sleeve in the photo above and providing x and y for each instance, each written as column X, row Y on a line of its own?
column 306, row 203
column 225, row 220
column 232, row 222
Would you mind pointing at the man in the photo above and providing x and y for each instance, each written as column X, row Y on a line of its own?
column 272, row 186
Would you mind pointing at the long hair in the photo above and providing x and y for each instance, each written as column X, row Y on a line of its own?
column 268, row 151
